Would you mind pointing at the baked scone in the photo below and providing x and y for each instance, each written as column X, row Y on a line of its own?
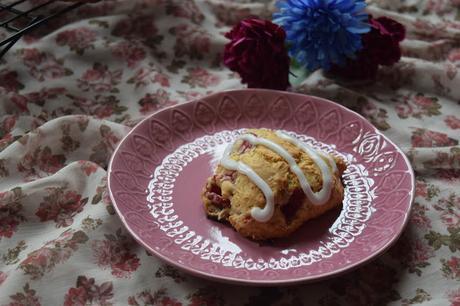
column 268, row 184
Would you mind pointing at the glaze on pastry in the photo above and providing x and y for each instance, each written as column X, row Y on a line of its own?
column 268, row 184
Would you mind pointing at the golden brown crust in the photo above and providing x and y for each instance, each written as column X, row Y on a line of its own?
column 230, row 196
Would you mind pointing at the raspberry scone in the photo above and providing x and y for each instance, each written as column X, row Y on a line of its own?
column 268, row 184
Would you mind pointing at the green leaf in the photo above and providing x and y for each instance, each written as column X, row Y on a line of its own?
column 24, row 139
column 18, row 297
column 119, row 109
column 97, row 198
column 17, row 191
column 110, row 237
column 434, row 239
column 80, row 237
column 110, row 209
column 297, row 75
column 175, row 65
column 104, row 130
column 101, row 23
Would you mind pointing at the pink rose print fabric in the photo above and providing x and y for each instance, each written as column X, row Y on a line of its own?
column 70, row 91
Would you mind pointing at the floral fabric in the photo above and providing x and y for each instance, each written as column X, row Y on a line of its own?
column 71, row 90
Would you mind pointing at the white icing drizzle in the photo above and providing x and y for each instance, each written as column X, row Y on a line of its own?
column 318, row 198
column 309, row 150
column 331, row 161
column 323, row 195
column 261, row 215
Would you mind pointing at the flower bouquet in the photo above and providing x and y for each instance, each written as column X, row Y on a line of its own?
column 337, row 36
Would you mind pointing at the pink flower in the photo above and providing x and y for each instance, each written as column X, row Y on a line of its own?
column 32, row 57
column 129, row 52
column 186, row 9
column 101, row 9
column 421, row 189
column 449, row 174
column 39, row 97
column 145, row 75
column 449, row 207
column 6, row 140
column 404, row 110
column 71, row 205
column 141, row 77
column 87, row 292
column 8, row 80
column 420, row 252
column 162, row 79
column 38, row 257
column 201, row 77
column 8, row 123
column 50, row 163
column 3, row 277
column 454, row 55
column 20, row 101
column 114, row 252
column 167, row 301
column 42, row 65
column 437, row 6
column 155, row 101
column 191, row 40
column 10, row 213
column 99, row 79
column 125, row 265
column 198, row 299
column 102, row 252
column 77, row 39
column 88, row 167
column 423, row 101
column 369, row 109
column 136, row 26
column 454, row 297
column 451, row 219
column 103, row 111
column 452, row 121
column 8, row 226
column 191, row 95
column 76, row 297
column 60, row 206
column 101, row 106
column 418, row 216
column 27, row 297
column 427, row 138
column 454, row 266
column 229, row 17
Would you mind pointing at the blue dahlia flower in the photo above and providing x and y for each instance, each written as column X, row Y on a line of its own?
column 322, row 32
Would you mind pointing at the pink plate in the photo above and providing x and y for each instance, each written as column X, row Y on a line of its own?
column 157, row 173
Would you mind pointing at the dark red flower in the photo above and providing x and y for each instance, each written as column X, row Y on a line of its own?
column 380, row 47
column 257, row 52
column 76, row 296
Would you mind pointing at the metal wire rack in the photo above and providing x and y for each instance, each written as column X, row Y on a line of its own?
column 21, row 16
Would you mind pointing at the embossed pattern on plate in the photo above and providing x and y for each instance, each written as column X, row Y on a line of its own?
column 157, row 173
